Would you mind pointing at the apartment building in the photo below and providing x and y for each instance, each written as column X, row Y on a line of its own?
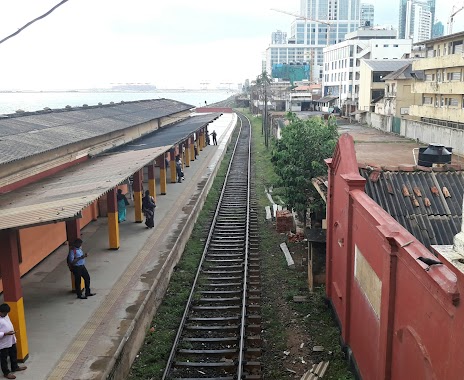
column 372, row 75
column 442, row 89
column 342, row 61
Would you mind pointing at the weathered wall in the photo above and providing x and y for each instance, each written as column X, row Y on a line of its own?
column 418, row 130
column 399, row 320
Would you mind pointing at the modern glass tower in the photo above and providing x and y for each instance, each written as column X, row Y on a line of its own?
column 402, row 21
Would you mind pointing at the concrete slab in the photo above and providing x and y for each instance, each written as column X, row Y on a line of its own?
column 71, row 338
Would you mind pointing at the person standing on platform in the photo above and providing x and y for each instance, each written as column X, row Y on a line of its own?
column 214, row 134
column 76, row 261
column 122, row 203
column 208, row 142
column 148, row 208
column 8, row 344
column 180, row 173
column 195, row 149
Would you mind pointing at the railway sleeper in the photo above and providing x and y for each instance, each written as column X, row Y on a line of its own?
column 212, row 328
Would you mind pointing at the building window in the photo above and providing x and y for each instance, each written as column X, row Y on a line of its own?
column 428, row 77
column 427, row 100
column 395, row 45
column 385, row 45
column 453, row 102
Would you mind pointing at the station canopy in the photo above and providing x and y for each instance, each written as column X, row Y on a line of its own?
column 64, row 195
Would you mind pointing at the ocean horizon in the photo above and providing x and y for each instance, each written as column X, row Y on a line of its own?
column 31, row 100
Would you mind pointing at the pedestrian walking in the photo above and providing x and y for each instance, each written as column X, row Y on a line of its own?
column 76, row 262
column 8, row 344
column 122, row 203
column 214, row 134
column 148, row 208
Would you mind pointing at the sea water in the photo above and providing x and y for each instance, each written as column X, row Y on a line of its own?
column 34, row 101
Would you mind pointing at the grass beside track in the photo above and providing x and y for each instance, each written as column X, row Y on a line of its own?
column 285, row 321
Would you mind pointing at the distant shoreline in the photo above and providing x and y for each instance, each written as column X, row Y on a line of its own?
column 104, row 90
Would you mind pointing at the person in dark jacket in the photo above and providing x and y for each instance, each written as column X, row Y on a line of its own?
column 148, row 208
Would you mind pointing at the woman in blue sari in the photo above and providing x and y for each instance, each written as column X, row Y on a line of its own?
column 122, row 203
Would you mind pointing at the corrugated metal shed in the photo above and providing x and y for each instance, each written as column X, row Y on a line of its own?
column 427, row 203
column 33, row 133
column 64, row 195
column 170, row 135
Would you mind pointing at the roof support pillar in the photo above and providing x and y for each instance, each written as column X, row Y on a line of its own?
column 137, row 186
column 152, row 180
column 113, row 226
column 73, row 232
column 162, row 165
column 172, row 165
column 201, row 137
column 12, row 291
column 187, row 152
column 192, row 149
column 94, row 209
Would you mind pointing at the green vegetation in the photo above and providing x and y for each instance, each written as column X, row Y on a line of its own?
column 298, row 157
column 287, row 324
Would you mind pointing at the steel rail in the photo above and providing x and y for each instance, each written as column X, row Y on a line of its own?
column 189, row 302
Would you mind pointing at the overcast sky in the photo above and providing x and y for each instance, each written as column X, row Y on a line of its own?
column 171, row 44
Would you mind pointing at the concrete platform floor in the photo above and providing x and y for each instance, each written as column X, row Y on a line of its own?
column 70, row 338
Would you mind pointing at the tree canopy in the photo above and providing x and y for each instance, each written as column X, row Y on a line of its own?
column 299, row 156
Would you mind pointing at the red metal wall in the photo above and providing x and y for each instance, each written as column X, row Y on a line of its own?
column 415, row 329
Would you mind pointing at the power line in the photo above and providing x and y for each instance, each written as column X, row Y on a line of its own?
column 31, row 22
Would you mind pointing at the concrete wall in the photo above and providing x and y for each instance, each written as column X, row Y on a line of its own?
column 398, row 320
column 418, row 130
column 365, row 87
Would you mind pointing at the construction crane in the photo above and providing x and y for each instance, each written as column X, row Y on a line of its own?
column 455, row 10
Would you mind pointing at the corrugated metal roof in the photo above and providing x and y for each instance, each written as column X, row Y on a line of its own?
column 33, row 133
column 170, row 135
column 386, row 64
column 64, row 195
column 427, row 204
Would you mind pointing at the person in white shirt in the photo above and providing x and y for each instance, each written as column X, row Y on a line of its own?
column 8, row 344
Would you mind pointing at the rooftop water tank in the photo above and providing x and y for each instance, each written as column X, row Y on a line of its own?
column 434, row 155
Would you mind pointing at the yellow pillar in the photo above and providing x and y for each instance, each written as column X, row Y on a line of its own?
column 200, row 141
column 163, row 175
column 172, row 165
column 137, row 186
column 152, row 180
column 192, row 152
column 18, row 319
column 187, row 156
column 12, row 290
column 113, row 224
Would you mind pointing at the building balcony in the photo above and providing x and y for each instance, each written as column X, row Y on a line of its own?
column 452, row 60
column 453, row 87
column 454, row 114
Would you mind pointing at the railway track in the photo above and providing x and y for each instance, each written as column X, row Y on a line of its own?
column 219, row 335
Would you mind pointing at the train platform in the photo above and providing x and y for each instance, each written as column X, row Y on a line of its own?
column 94, row 338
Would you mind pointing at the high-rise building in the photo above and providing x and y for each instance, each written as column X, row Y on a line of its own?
column 323, row 23
column 278, row 37
column 418, row 20
column 438, row 29
column 403, row 16
column 367, row 14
